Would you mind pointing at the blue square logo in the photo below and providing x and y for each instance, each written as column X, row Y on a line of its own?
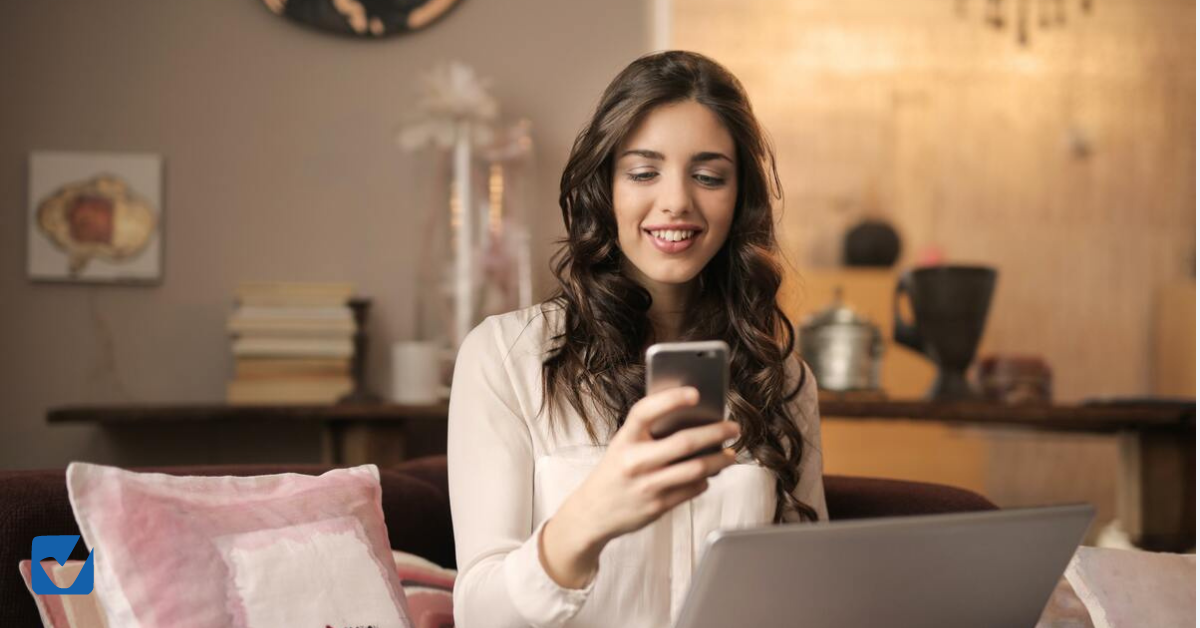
column 59, row 548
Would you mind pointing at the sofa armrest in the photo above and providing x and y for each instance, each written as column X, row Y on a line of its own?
column 860, row 498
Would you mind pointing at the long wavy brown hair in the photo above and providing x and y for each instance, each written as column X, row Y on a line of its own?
column 596, row 361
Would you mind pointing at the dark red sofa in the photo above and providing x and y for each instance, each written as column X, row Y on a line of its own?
column 415, row 504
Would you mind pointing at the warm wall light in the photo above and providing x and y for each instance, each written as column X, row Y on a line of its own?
column 495, row 198
column 1022, row 14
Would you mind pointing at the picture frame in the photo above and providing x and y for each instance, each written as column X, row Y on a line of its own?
column 95, row 217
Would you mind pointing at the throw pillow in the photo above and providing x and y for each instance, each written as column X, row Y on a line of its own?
column 265, row 551
column 428, row 587
column 63, row 611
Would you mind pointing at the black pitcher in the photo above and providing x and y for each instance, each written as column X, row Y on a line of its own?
column 950, row 307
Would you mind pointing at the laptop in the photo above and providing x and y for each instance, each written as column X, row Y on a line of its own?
column 984, row 569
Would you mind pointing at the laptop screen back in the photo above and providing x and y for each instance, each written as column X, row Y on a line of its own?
column 981, row 570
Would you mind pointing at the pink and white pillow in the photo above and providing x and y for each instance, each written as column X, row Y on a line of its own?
column 428, row 587
column 64, row 611
column 266, row 551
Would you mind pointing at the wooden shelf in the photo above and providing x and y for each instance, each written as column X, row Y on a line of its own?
column 1102, row 418
column 114, row 414
column 1109, row 417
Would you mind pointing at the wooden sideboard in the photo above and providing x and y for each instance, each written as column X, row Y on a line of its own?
column 351, row 434
column 1156, row 491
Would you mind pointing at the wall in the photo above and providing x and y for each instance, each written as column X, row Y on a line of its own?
column 280, row 165
column 1069, row 163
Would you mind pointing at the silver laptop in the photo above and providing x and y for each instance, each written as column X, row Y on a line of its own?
column 979, row 570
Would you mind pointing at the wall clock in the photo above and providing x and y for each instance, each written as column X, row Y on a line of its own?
column 370, row 19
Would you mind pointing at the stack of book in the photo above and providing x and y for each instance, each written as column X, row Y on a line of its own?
column 292, row 343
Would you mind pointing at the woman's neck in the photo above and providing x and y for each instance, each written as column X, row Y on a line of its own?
column 667, row 324
column 668, row 303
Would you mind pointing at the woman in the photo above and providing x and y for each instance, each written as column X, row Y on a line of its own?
column 566, row 512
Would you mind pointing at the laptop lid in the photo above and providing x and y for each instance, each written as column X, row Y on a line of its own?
column 985, row 569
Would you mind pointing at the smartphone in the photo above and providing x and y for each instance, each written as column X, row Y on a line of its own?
column 703, row 365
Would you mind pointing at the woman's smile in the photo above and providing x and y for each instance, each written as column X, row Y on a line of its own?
column 672, row 239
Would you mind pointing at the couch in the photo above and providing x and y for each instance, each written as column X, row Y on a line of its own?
column 416, row 507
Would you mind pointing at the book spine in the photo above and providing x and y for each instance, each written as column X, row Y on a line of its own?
column 283, row 347
column 288, row 390
column 308, row 367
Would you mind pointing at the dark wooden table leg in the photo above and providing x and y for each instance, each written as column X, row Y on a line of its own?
column 333, row 443
column 385, row 444
column 1156, row 499
column 367, row 442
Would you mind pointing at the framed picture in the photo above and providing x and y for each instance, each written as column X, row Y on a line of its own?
column 95, row 217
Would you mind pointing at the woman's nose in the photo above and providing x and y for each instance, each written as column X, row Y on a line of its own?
column 675, row 197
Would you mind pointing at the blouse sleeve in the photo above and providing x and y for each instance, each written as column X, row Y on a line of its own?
column 501, row 581
column 811, row 487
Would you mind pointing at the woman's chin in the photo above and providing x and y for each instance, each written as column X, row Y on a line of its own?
column 674, row 277
column 665, row 273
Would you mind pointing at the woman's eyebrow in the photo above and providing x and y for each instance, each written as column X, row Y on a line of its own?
column 641, row 152
column 697, row 158
column 709, row 156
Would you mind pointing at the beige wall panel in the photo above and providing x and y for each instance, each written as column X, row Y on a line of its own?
column 1175, row 341
column 1068, row 164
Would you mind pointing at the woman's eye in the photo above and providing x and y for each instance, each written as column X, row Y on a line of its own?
column 642, row 176
column 709, row 180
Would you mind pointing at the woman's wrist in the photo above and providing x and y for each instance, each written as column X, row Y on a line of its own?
column 570, row 550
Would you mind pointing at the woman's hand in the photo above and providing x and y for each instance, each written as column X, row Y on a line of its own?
column 634, row 484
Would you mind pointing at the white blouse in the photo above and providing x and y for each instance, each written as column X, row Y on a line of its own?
column 509, row 473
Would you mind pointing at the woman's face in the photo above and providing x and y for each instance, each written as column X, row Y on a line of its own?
column 674, row 191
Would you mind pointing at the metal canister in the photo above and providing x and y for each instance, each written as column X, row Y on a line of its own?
column 844, row 348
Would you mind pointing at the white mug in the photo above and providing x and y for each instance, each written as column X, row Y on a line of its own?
column 415, row 372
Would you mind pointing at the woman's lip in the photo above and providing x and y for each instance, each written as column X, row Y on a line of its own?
column 679, row 227
column 672, row 247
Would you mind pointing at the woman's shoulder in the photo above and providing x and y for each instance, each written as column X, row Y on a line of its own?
column 805, row 405
column 798, row 372
column 520, row 333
